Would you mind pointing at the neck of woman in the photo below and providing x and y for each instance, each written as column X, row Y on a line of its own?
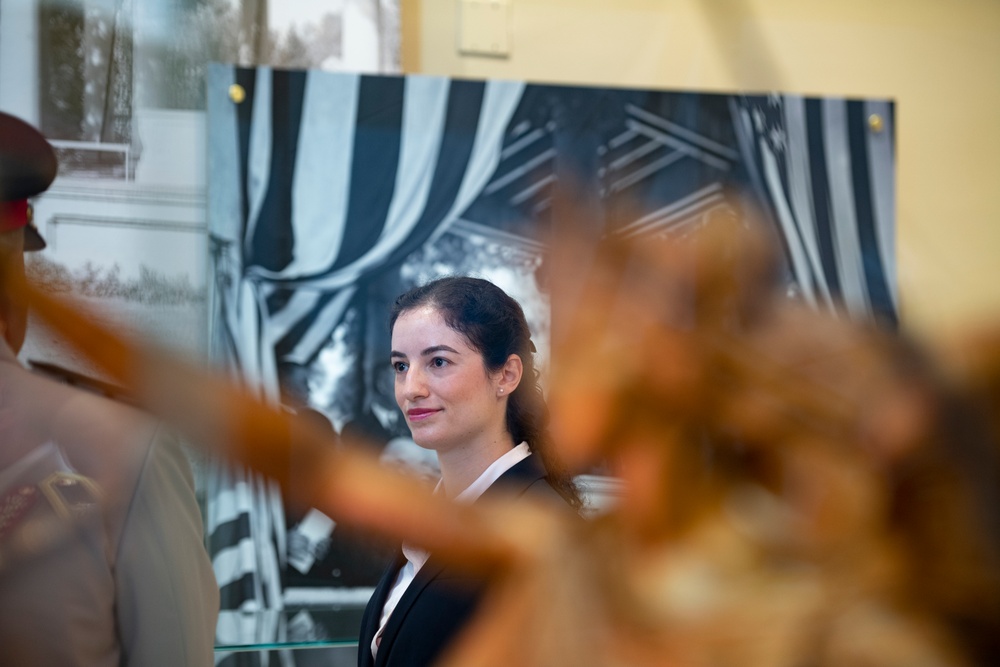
column 462, row 466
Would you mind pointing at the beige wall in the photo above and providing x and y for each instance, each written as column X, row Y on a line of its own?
column 940, row 62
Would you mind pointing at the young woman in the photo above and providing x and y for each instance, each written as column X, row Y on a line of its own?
column 467, row 386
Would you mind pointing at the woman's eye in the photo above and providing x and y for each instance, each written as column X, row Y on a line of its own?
column 438, row 362
column 399, row 366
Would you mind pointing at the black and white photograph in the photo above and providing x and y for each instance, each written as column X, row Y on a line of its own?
column 333, row 193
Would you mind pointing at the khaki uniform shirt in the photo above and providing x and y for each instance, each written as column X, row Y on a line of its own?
column 102, row 558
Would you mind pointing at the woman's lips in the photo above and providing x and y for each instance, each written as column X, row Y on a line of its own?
column 417, row 414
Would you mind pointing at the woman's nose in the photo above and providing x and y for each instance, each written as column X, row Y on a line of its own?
column 414, row 385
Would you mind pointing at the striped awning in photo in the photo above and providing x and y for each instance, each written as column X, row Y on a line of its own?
column 825, row 171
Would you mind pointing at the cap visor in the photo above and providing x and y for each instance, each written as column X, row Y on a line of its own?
column 32, row 239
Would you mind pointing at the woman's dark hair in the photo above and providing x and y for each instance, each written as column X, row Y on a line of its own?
column 494, row 325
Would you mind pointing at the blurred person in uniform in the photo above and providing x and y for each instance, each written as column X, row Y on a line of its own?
column 102, row 557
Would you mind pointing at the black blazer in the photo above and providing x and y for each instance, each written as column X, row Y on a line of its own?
column 440, row 600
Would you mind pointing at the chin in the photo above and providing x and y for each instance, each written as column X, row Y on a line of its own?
column 434, row 443
column 424, row 444
column 423, row 440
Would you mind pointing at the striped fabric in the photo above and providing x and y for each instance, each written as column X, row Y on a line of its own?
column 318, row 181
column 825, row 170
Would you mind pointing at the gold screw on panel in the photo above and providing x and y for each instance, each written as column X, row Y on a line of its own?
column 875, row 122
column 236, row 93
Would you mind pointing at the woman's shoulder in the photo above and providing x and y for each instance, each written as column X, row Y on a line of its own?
column 545, row 489
column 528, row 478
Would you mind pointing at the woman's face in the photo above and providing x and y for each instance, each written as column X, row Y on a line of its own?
column 448, row 399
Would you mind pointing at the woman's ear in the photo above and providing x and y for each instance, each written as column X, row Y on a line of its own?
column 510, row 375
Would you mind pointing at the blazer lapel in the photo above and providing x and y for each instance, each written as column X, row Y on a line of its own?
column 426, row 574
column 373, row 612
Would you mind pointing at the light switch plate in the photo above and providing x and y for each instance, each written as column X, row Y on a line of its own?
column 484, row 27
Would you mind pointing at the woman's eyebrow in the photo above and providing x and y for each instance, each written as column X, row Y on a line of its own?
column 426, row 351
column 438, row 348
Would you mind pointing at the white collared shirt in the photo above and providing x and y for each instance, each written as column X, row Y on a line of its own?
column 415, row 558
